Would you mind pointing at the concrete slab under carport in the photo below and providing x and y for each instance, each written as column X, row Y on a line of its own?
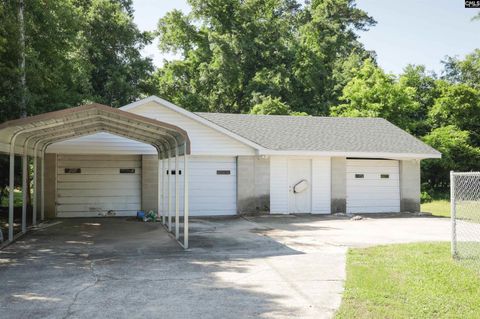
column 265, row 267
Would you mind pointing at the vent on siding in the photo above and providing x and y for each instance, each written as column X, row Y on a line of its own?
column 223, row 172
column 73, row 170
column 127, row 170
column 384, row 176
column 359, row 175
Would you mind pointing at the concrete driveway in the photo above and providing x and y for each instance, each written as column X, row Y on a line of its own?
column 262, row 267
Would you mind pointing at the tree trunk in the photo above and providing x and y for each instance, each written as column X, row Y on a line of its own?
column 23, row 77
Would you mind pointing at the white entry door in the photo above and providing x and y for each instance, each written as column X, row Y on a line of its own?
column 300, row 185
column 373, row 186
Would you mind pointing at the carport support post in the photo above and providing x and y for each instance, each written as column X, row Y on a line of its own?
column 169, row 172
column 164, row 193
column 10, row 195
column 159, row 186
column 24, row 192
column 42, row 187
column 35, row 190
column 185, row 197
column 177, row 199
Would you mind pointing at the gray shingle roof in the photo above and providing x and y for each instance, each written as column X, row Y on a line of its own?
column 330, row 134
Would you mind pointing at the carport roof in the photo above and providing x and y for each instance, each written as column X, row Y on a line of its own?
column 33, row 133
column 330, row 135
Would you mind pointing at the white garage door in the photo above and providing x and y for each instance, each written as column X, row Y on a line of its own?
column 373, row 186
column 213, row 185
column 92, row 185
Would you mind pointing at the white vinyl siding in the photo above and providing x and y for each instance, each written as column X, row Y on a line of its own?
column 373, row 194
column 204, row 140
column 210, row 194
column 279, row 188
column 100, row 187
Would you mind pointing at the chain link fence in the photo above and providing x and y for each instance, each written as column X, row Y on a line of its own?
column 465, row 212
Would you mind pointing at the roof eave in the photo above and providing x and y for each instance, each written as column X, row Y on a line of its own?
column 350, row 154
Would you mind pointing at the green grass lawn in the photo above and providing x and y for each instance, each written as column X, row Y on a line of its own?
column 17, row 199
column 409, row 281
column 439, row 207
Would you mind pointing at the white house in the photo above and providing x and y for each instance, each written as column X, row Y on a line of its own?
column 237, row 163
column 246, row 163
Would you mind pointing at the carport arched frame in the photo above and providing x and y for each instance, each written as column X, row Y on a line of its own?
column 32, row 136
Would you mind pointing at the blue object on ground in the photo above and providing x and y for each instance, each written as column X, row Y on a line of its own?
column 140, row 214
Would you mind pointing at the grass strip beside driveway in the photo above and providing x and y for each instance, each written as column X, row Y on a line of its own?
column 409, row 281
column 439, row 207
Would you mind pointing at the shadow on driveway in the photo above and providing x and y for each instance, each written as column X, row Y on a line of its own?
column 112, row 267
column 258, row 267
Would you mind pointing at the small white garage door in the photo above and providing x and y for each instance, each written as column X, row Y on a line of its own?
column 373, row 186
column 93, row 185
column 213, row 185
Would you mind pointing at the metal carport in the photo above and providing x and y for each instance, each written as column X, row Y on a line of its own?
column 32, row 135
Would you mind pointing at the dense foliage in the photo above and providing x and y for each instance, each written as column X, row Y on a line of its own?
column 233, row 51
column 244, row 56
column 443, row 111
column 76, row 51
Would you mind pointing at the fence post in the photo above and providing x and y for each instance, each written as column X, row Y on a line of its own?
column 453, row 215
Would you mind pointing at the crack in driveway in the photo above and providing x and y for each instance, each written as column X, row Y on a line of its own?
column 77, row 294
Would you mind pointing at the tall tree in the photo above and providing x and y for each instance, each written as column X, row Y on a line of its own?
column 374, row 93
column 466, row 71
column 459, row 105
column 111, row 43
column 327, row 51
column 47, row 76
column 232, row 51
column 425, row 85
column 61, row 53
column 9, row 76
column 69, row 52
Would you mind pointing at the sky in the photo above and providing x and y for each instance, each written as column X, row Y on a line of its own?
column 407, row 31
